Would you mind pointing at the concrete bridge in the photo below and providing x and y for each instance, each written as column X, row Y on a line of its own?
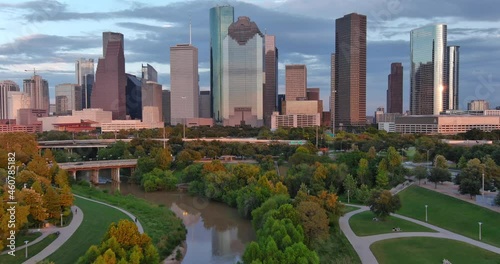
column 95, row 166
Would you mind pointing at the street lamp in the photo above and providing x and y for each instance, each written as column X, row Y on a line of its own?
column 26, row 243
column 480, row 223
column 482, row 192
column 425, row 213
column 61, row 220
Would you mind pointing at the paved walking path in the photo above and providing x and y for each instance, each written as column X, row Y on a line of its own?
column 362, row 244
column 133, row 217
column 64, row 234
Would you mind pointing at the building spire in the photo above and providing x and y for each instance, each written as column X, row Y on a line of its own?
column 190, row 30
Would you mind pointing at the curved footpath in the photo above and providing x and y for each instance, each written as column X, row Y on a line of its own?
column 67, row 232
column 362, row 244
column 133, row 217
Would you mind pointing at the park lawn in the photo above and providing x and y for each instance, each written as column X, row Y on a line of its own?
column 20, row 256
column 430, row 250
column 96, row 220
column 450, row 213
column 348, row 209
column 29, row 236
column 336, row 249
column 363, row 225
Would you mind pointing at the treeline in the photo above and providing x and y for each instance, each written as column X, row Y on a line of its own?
column 42, row 190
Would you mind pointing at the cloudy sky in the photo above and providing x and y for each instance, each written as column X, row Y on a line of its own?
column 50, row 35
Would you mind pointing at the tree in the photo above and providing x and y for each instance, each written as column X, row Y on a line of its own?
column 420, row 173
column 314, row 220
column 462, row 162
column 350, row 184
column 372, row 153
column 469, row 186
column 439, row 175
column 382, row 179
column 163, row 159
column 394, row 160
column 363, row 171
column 440, row 162
column 383, row 203
column 363, row 194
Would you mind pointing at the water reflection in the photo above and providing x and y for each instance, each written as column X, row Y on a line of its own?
column 216, row 233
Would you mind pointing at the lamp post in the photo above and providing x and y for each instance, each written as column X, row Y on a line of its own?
column 425, row 213
column 26, row 243
column 482, row 190
column 480, row 223
column 61, row 220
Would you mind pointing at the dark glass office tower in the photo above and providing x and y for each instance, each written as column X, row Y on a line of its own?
column 271, row 85
column 395, row 89
column 110, row 84
column 350, row 70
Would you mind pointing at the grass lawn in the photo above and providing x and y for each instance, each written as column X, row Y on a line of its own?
column 29, row 236
column 348, row 209
column 451, row 213
column 20, row 256
column 336, row 249
column 160, row 223
column 430, row 250
column 96, row 220
column 363, row 225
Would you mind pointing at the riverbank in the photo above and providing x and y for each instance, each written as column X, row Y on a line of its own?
column 177, row 255
column 160, row 223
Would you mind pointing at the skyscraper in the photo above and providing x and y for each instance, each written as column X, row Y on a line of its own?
column 184, row 88
column 204, row 104
column 220, row 19
column 152, row 96
column 133, row 93
column 271, row 85
column 395, row 89
column 84, row 69
column 166, row 105
column 428, row 82
column 453, row 76
column 15, row 101
column 109, row 92
column 350, row 70
column 333, row 92
column 149, row 73
column 6, row 87
column 242, row 76
column 295, row 82
column 68, row 98
column 38, row 90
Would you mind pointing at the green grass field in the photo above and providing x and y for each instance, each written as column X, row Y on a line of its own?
column 419, row 250
column 336, row 249
column 20, row 256
column 451, row 213
column 348, row 209
column 91, row 231
column 363, row 225
column 29, row 236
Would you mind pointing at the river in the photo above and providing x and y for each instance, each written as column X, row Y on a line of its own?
column 216, row 233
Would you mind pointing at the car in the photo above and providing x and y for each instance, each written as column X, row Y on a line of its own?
column 79, row 163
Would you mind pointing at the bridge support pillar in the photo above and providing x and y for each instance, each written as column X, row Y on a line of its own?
column 115, row 174
column 73, row 173
column 132, row 172
column 94, row 177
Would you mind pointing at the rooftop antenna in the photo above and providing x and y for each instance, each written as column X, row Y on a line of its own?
column 190, row 30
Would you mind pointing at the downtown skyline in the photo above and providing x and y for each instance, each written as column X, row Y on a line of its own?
column 148, row 37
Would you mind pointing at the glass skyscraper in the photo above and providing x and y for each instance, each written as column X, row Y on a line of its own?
column 220, row 19
column 243, row 75
column 453, row 76
column 428, row 82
